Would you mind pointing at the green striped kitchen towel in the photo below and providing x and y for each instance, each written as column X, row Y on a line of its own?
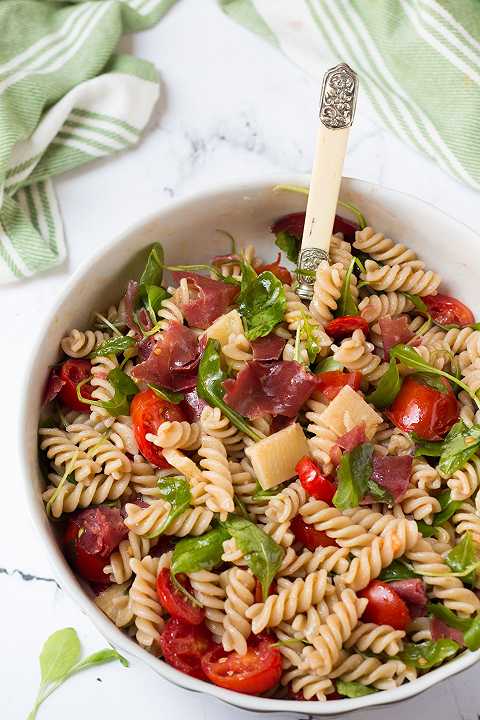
column 65, row 98
column 418, row 62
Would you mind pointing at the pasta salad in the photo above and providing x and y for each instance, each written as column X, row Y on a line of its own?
column 276, row 497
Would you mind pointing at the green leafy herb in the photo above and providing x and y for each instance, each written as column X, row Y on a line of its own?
column 260, row 493
column 210, row 387
column 175, row 489
column 153, row 272
column 427, row 447
column 199, row 553
column 353, row 475
column 431, row 381
column 153, row 299
column 327, row 365
column 463, row 557
column 346, row 304
column 397, row 570
column 449, row 508
column 427, row 654
column 113, row 346
column 460, row 445
column 426, row 530
column 60, row 659
column 418, row 303
column 353, row 689
column 407, row 355
column 311, row 343
column 124, row 388
column 262, row 304
column 262, row 554
column 289, row 244
column 169, row 395
column 388, row 387
column 471, row 637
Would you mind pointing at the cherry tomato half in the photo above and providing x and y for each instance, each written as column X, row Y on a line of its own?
column 448, row 310
column 175, row 602
column 313, row 480
column 255, row 672
column 385, row 606
column 278, row 270
column 148, row 411
column 183, row 646
column 308, row 536
column 424, row 410
column 342, row 327
column 331, row 382
column 72, row 372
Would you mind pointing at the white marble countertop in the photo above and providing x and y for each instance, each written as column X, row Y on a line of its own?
column 231, row 107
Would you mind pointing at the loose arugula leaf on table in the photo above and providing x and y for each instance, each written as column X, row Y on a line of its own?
column 169, row 395
column 460, row 445
column 113, row 346
column 199, row 553
column 289, row 244
column 353, row 689
column 407, row 355
column 387, row 388
column 124, row 389
column 346, row 304
column 353, row 475
column 262, row 304
column 175, row 489
column 427, row 654
column 463, row 559
column 210, row 387
column 262, row 554
column 60, row 659
column 397, row 570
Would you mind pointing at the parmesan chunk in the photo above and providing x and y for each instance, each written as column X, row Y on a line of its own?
column 274, row 458
column 224, row 326
column 347, row 410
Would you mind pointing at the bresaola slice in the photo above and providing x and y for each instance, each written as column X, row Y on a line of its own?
column 441, row 630
column 268, row 348
column 129, row 306
column 277, row 388
column 192, row 405
column 352, row 438
column 173, row 361
column 412, row 591
column 210, row 298
column 103, row 528
column 394, row 331
column 293, row 225
column 53, row 386
column 392, row 472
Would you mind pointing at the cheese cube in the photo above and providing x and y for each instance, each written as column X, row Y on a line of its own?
column 347, row 410
column 224, row 326
column 274, row 458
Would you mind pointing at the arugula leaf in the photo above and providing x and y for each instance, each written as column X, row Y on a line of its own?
column 327, row 365
column 418, row 303
column 431, row 381
column 60, row 659
column 427, row 654
column 448, row 616
column 449, row 508
column 388, row 387
column 353, row 689
column 113, row 346
column 397, row 570
column 210, row 387
column 262, row 304
column 175, row 489
column 153, row 271
column 462, row 557
column 471, row 637
column 353, row 474
column 260, row 493
column 460, row 445
column 169, row 395
column 262, row 554
column 311, row 344
column 379, row 493
column 407, row 355
column 426, row 530
column 199, row 553
column 289, row 244
column 124, row 388
column 346, row 304
column 153, row 299
column 427, row 447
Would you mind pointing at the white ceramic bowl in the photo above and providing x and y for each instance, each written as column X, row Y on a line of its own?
column 187, row 231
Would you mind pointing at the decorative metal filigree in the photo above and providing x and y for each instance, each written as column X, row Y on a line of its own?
column 339, row 97
column 309, row 259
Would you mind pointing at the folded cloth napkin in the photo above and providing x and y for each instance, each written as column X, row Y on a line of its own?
column 65, row 99
column 418, row 62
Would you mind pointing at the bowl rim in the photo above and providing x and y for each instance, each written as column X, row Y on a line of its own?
column 64, row 575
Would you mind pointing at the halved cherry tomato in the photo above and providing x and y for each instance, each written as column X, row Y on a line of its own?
column 148, row 411
column 342, row 327
column 72, row 372
column 90, row 538
column 255, row 672
column 175, row 602
column 422, row 409
column 308, row 536
column 314, row 481
column 331, row 382
column 258, row 592
column 183, row 646
column 448, row 310
column 278, row 270
column 385, row 606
